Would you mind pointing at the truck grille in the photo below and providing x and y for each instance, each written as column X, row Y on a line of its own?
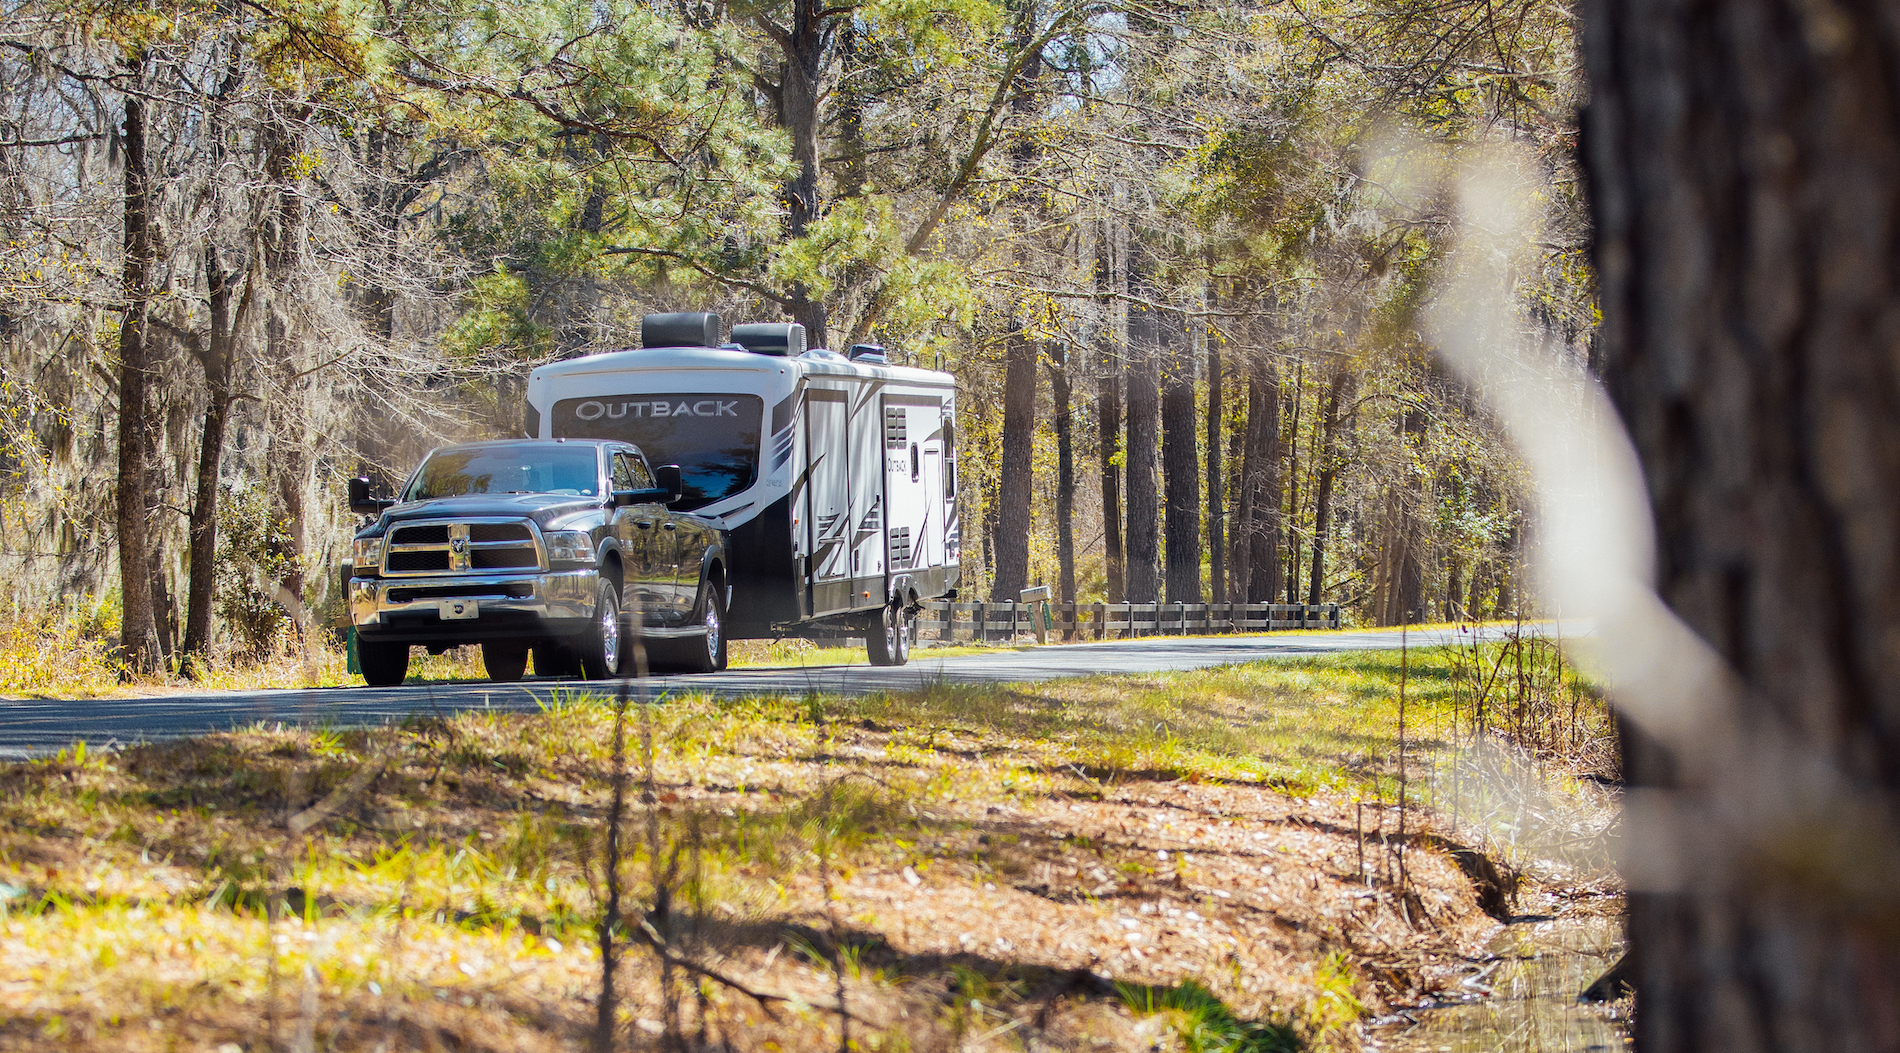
column 462, row 546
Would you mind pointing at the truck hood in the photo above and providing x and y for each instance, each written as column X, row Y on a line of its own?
column 547, row 510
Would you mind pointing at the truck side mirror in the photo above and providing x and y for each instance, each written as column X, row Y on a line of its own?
column 668, row 476
column 362, row 503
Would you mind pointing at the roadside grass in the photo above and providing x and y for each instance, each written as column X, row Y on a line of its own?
column 1172, row 861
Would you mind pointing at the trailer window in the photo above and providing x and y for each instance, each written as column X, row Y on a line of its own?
column 714, row 438
column 949, row 461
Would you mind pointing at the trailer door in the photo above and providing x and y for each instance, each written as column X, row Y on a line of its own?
column 827, row 526
column 913, row 476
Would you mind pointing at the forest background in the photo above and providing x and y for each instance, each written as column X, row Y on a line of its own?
column 1177, row 255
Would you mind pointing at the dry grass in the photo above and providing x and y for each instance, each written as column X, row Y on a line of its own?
column 1118, row 863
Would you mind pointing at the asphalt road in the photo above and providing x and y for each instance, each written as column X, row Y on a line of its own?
column 34, row 727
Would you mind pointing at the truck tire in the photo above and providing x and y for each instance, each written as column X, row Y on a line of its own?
column 887, row 638
column 505, row 661
column 552, row 659
column 600, row 645
column 706, row 654
column 384, row 664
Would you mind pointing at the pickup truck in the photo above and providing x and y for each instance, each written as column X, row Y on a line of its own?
column 565, row 548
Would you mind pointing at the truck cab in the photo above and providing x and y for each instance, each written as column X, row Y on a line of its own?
column 569, row 550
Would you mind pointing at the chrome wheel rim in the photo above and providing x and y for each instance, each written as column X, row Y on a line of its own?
column 609, row 629
column 712, row 631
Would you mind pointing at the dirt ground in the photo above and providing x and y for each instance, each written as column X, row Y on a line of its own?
column 995, row 869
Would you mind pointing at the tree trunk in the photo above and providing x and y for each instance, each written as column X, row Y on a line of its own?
column 1295, row 401
column 1108, row 418
column 216, row 352
column 1258, row 547
column 1323, row 497
column 289, row 411
column 1744, row 165
column 217, row 358
column 1017, row 482
column 1010, row 571
column 802, row 46
column 1238, row 563
column 136, row 427
column 1062, row 390
column 1216, row 478
column 1144, row 504
column 1181, row 465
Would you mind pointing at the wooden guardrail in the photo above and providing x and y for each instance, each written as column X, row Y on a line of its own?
column 988, row 622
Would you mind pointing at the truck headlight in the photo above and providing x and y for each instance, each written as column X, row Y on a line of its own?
column 569, row 546
column 366, row 553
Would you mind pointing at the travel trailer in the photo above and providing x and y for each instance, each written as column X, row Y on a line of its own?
column 833, row 475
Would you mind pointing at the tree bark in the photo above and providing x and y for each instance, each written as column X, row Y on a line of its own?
column 1257, row 548
column 1144, row 502
column 803, row 44
column 139, row 635
column 1108, row 417
column 218, row 353
column 1744, row 166
column 1014, row 482
column 1323, row 497
column 289, row 411
column 1216, row 477
column 1017, row 481
column 1181, row 465
column 1295, row 401
column 1061, row 388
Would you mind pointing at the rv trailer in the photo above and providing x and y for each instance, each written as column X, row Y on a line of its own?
column 834, row 476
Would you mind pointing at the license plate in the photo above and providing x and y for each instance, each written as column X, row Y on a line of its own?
column 455, row 610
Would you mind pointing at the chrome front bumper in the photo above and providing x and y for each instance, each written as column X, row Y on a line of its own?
column 553, row 595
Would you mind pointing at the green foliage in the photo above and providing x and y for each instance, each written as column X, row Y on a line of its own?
column 496, row 317
column 1204, row 1024
column 254, row 556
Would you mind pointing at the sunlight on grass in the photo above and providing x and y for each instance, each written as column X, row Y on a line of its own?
column 135, row 886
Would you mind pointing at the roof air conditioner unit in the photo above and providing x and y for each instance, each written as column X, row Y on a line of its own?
column 681, row 329
column 778, row 339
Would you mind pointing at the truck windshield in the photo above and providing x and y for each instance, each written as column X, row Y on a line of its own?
column 714, row 438
column 523, row 468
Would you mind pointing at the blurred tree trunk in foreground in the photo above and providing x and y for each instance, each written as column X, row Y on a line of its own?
column 1744, row 160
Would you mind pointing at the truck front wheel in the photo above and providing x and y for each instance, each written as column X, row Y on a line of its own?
column 505, row 661
column 600, row 645
column 384, row 664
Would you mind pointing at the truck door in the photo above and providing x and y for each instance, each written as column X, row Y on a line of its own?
column 691, row 538
column 649, row 549
column 827, row 520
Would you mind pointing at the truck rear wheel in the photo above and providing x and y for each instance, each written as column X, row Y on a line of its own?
column 706, row 654
column 505, row 661
column 887, row 638
column 383, row 664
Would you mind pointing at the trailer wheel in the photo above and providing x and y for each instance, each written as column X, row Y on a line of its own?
column 505, row 661
column 887, row 638
column 384, row 664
